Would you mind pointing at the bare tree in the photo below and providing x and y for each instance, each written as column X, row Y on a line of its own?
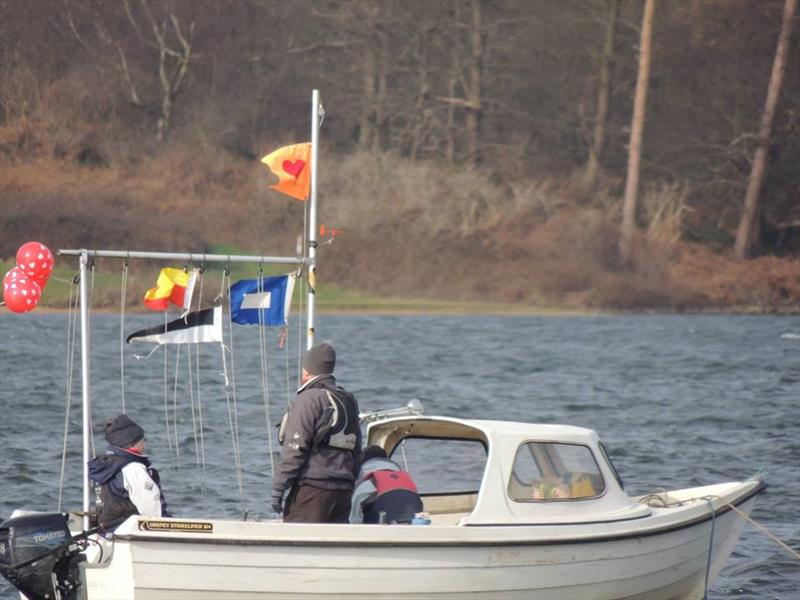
column 747, row 236
column 173, row 59
column 637, row 129
column 603, row 99
column 475, row 87
column 173, row 55
column 466, row 77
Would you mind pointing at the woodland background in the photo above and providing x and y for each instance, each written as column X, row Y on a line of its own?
column 471, row 150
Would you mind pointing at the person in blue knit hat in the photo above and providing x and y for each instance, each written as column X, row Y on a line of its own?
column 128, row 484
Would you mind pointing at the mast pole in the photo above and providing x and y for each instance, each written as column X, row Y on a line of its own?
column 311, row 272
column 87, row 408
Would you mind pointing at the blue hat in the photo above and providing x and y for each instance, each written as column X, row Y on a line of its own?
column 122, row 432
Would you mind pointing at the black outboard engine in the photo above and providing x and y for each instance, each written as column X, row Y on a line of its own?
column 39, row 557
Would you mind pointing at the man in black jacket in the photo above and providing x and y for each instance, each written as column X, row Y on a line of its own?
column 321, row 441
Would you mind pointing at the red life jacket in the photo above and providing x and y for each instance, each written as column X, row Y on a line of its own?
column 387, row 481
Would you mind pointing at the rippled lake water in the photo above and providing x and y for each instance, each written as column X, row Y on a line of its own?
column 678, row 400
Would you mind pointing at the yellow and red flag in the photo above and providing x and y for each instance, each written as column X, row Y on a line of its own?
column 173, row 285
column 292, row 166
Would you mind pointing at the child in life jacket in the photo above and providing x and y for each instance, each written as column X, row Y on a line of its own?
column 383, row 487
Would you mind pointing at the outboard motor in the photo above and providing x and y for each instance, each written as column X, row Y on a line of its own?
column 39, row 557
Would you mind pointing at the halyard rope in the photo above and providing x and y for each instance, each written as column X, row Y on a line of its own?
column 88, row 309
column 710, row 542
column 166, row 396
column 72, row 316
column 200, row 462
column 123, row 294
column 230, row 395
column 175, row 405
column 199, row 397
column 262, row 348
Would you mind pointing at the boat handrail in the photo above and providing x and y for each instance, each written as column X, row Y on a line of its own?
column 413, row 407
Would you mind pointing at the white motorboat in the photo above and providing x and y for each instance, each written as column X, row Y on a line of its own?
column 550, row 519
column 546, row 517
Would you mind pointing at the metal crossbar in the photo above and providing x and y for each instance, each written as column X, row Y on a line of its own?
column 188, row 257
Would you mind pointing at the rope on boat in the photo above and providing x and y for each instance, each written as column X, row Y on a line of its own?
column 230, row 395
column 199, row 398
column 190, row 386
column 175, row 405
column 123, row 294
column 197, row 414
column 660, row 499
column 89, row 308
column 300, row 329
column 710, row 542
column 262, row 348
column 289, row 390
column 166, row 396
column 288, row 382
column 72, row 316
column 781, row 543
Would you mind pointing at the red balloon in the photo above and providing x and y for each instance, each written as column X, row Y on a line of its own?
column 21, row 294
column 13, row 273
column 36, row 261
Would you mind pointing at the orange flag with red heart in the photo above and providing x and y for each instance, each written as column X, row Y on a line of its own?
column 292, row 166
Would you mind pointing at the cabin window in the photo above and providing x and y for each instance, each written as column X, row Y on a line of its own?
column 442, row 466
column 547, row 471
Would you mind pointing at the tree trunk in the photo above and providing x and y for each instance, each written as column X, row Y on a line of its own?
column 637, row 129
column 365, row 130
column 423, row 90
column 747, row 236
column 603, row 99
column 474, row 93
column 381, row 89
column 166, row 97
column 450, row 124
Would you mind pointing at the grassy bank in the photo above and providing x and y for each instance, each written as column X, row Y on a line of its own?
column 62, row 289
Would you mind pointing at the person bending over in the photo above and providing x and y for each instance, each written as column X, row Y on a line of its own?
column 383, row 487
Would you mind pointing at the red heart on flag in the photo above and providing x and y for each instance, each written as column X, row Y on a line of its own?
column 294, row 168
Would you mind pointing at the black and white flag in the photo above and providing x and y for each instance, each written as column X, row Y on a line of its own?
column 194, row 328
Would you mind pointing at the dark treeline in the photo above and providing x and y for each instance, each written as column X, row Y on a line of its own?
column 518, row 89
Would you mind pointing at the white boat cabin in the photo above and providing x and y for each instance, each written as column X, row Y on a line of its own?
column 515, row 473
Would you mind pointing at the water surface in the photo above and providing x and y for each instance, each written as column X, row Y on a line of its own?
column 678, row 400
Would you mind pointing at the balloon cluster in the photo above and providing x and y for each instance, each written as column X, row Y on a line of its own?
column 23, row 285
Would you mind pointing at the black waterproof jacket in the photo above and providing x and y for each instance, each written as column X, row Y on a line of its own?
column 106, row 471
column 305, row 458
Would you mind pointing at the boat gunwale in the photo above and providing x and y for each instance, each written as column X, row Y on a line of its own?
column 722, row 510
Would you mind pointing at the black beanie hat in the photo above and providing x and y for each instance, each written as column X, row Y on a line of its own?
column 320, row 359
column 373, row 452
column 122, row 432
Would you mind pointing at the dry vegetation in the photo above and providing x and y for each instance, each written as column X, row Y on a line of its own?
column 421, row 230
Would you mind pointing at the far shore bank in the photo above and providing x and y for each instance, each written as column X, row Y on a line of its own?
column 473, row 309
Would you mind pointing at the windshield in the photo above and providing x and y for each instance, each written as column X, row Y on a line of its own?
column 442, row 466
column 548, row 471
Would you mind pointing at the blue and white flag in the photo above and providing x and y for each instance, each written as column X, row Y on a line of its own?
column 271, row 296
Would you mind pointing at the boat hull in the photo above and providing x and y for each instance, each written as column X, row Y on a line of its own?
column 634, row 560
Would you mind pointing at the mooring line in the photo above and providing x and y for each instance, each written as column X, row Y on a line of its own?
column 775, row 538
